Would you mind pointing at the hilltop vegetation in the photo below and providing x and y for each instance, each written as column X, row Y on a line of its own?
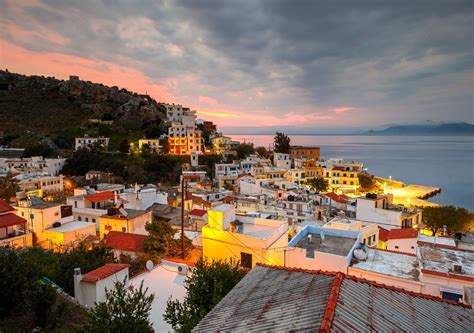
column 44, row 109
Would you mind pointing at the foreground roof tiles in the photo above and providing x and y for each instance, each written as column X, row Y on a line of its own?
column 103, row 272
column 125, row 241
column 281, row 299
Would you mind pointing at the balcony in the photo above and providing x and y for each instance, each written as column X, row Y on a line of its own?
column 17, row 238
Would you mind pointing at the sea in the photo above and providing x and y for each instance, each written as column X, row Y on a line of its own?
column 442, row 161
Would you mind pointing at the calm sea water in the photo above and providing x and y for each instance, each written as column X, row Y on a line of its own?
column 442, row 161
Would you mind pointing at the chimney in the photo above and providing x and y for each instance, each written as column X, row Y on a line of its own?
column 77, row 285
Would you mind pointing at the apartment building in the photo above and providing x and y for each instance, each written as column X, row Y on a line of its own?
column 87, row 142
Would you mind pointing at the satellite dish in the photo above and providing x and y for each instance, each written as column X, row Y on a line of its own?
column 149, row 265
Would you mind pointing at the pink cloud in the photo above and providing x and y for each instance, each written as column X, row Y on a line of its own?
column 207, row 100
column 18, row 59
column 343, row 109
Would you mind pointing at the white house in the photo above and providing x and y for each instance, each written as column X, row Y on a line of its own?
column 87, row 142
column 90, row 287
column 379, row 209
column 281, row 160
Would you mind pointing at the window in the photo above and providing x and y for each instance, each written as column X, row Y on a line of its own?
column 396, row 247
column 93, row 220
column 412, row 247
column 87, row 219
column 451, row 295
column 124, row 229
column 246, row 260
column 79, row 218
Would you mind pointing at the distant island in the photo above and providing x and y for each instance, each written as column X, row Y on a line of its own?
column 461, row 128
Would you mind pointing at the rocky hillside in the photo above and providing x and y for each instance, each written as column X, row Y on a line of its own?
column 35, row 108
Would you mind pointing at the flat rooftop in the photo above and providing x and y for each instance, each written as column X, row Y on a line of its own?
column 440, row 259
column 331, row 244
column 256, row 230
column 71, row 226
column 390, row 263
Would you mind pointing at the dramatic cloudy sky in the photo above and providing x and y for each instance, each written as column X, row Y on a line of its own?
column 323, row 64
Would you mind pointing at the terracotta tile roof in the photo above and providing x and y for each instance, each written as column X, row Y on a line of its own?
column 403, row 233
column 189, row 196
column 125, row 241
column 5, row 207
column 100, row 196
column 272, row 298
column 336, row 197
column 228, row 198
column 245, row 174
column 338, row 168
column 383, row 234
column 10, row 219
column 198, row 212
column 103, row 272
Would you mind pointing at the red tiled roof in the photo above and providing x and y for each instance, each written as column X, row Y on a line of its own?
column 198, row 212
column 383, row 234
column 403, row 233
column 339, row 168
column 125, row 241
column 338, row 198
column 100, row 196
column 245, row 174
column 5, row 207
column 103, row 272
column 189, row 196
column 229, row 198
column 10, row 219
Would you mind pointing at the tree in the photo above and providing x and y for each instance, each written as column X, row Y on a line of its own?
column 8, row 187
column 124, row 310
column 282, row 143
column 161, row 241
column 244, row 150
column 165, row 146
column 262, row 151
column 208, row 284
column 366, row 180
column 124, row 146
column 318, row 184
column 455, row 219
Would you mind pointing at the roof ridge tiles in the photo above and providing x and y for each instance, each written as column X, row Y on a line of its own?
column 328, row 316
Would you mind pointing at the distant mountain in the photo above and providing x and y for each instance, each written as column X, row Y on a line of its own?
column 461, row 128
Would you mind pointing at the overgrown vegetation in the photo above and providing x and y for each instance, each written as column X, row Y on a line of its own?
column 208, row 284
column 366, row 181
column 28, row 301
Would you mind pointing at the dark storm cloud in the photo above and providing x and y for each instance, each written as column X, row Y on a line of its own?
column 305, row 55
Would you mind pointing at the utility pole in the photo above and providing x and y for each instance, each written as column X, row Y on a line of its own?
column 183, row 180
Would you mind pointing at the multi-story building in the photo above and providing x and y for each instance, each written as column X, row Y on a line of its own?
column 87, row 142
column 36, row 164
column 246, row 239
column 306, row 152
column 152, row 144
column 281, row 160
column 40, row 184
column 342, row 176
column 221, row 144
column 183, row 137
column 124, row 220
column 379, row 209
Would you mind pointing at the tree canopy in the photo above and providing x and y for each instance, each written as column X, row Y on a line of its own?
column 282, row 143
column 244, row 150
column 318, row 184
column 161, row 241
column 365, row 180
column 456, row 219
column 8, row 187
column 207, row 285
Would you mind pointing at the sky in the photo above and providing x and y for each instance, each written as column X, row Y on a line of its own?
column 261, row 64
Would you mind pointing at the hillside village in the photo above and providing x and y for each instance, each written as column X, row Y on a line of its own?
column 278, row 212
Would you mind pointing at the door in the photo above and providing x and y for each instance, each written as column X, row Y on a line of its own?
column 246, row 260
